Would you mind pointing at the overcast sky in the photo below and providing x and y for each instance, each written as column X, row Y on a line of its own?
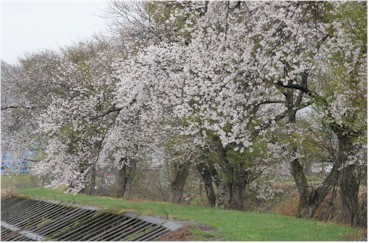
column 29, row 26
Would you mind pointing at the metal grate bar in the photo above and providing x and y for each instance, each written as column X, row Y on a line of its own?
column 51, row 214
column 131, row 230
column 17, row 212
column 70, row 224
column 18, row 238
column 87, row 228
column 4, row 231
column 12, row 201
column 114, row 229
column 24, row 214
column 151, row 234
column 61, row 222
column 16, row 203
column 9, row 236
column 27, row 220
column 128, row 229
column 4, row 199
column 16, row 230
column 34, row 214
column 137, row 232
column 62, row 212
column 101, row 229
column 13, row 209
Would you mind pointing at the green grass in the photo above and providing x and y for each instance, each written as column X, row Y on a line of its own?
column 12, row 182
column 231, row 225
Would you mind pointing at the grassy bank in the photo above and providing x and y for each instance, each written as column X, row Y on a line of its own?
column 10, row 183
column 231, row 225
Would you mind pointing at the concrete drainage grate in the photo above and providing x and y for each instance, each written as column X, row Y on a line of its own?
column 33, row 220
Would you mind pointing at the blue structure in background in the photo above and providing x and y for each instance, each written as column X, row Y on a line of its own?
column 22, row 167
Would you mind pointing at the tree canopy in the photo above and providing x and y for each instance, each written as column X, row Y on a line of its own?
column 236, row 92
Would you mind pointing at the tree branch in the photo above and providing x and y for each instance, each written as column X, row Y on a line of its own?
column 17, row 107
column 111, row 110
column 295, row 86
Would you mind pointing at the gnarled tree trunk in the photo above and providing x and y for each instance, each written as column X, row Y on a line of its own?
column 126, row 176
column 236, row 188
column 211, row 181
column 309, row 199
column 90, row 190
column 179, row 181
column 349, row 185
column 350, row 181
column 233, row 181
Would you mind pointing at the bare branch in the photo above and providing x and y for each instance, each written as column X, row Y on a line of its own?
column 18, row 107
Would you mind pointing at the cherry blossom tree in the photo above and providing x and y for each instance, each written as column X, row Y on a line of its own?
column 222, row 87
column 241, row 89
column 23, row 100
column 342, row 106
column 73, row 122
column 294, row 39
column 137, row 24
column 307, row 41
column 289, row 51
column 173, row 77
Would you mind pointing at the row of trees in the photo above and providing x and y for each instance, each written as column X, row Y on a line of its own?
column 237, row 91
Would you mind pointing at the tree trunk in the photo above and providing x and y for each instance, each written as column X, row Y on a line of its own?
column 363, row 216
column 233, row 182
column 309, row 200
column 179, row 182
column 349, row 196
column 87, row 178
column 90, row 190
column 126, row 175
column 350, row 181
column 208, row 176
column 303, row 210
column 235, row 187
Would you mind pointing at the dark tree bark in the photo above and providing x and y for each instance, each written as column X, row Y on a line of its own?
column 363, row 216
column 309, row 198
column 347, row 176
column 126, row 176
column 90, row 190
column 349, row 196
column 179, row 181
column 350, row 179
column 209, row 175
column 233, row 181
column 235, row 187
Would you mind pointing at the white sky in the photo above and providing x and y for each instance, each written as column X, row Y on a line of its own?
column 29, row 26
